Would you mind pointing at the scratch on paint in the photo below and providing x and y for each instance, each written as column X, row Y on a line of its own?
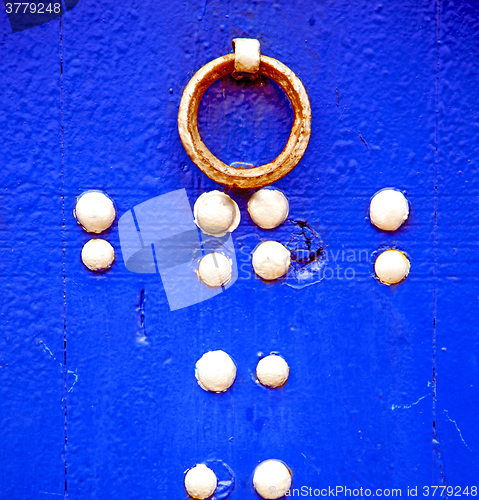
column 457, row 428
column 140, row 326
column 74, row 373
column 48, row 351
column 363, row 140
column 405, row 407
column 48, row 493
column 201, row 16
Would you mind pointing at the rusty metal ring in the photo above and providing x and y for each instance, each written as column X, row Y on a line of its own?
column 238, row 177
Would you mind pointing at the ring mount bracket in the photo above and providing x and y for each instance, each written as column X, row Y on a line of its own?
column 247, row 58
column 201, row 156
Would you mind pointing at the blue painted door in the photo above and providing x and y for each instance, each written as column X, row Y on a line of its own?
column 98, row 392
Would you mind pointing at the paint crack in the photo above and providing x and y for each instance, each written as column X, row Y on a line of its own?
column 457, row 428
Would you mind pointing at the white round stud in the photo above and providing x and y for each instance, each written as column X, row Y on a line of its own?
column 272, row 371
column 216, row 213
column 98, row 255
column 391, row 267
column 215, row 269
column 200, row 482
column 94, row 211
column 271, row 260
column 268, row 208
column 215, row 371
column 389, row 209
column 272, row 479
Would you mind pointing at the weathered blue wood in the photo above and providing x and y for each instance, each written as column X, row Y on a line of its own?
column 33, row 379
column 373, row 401
column 457, row 269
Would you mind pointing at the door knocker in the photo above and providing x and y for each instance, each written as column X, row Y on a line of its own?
column 245, row 59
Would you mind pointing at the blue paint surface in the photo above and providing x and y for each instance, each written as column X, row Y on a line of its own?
column 98, row 395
